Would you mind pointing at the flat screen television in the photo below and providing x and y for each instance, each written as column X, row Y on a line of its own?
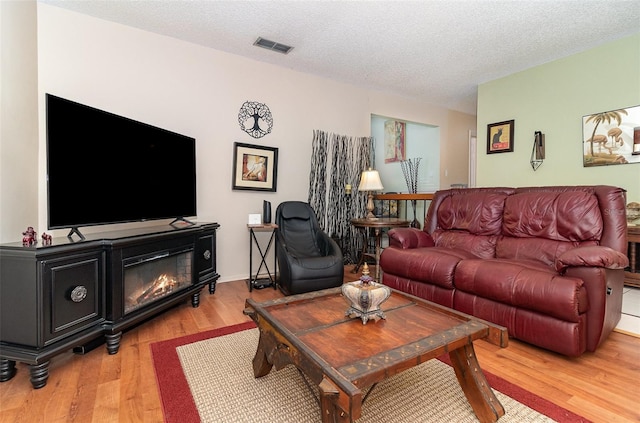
column 103, row 168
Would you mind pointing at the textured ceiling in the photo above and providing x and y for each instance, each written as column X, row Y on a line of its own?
column 437, row 51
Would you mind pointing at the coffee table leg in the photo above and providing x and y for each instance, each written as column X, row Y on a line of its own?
column 261, row 364
column 475, row 386
column 329, row 395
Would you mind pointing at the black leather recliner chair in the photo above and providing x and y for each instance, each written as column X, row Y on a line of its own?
column 308, row 259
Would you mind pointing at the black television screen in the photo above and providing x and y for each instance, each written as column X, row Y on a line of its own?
column 103, row 168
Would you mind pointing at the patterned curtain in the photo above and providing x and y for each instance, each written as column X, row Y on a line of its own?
column 338, row 161
column 318, row 176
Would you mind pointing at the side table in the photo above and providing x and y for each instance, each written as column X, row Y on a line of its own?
column 632, row 275
column 254, row 281
column 377, row 224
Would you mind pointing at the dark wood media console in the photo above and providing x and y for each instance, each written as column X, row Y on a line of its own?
column 70, row 294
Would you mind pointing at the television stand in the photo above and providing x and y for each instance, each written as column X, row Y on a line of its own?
column 75, row 295
column 75, row 230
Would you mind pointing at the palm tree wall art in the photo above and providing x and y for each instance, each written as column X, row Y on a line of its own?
column 612, row 137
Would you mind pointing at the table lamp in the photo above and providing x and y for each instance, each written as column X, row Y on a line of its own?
column 370, row 181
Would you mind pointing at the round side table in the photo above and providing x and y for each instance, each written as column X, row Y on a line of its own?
column 377, row 224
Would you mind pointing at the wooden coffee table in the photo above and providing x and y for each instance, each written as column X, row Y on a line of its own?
column 342, row 356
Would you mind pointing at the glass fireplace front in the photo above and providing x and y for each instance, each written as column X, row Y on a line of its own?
column 149, row 279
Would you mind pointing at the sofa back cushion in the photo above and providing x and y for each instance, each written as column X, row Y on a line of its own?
column 542, row 225
column 559, row 216
column 471, row 221
column 477, row 213
column 538, row 223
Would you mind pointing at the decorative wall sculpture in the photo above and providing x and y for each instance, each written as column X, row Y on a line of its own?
column 255, row 119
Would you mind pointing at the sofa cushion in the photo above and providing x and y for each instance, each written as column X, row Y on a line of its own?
column 470, row 222
column 539, row 329
column 433, row 264
column 422, row 289
column 523, row 284
column 477, row 213
column 561, row 216
column 544, row 225
column 478, row 245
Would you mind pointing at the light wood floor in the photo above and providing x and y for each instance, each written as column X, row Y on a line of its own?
column 97, row 387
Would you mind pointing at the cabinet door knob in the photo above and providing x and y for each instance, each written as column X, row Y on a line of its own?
column 78, row 294
column 206, row 254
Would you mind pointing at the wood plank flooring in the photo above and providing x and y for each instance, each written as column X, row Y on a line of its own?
column 97, row 387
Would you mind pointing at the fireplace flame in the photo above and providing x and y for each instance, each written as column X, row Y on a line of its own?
column 164, row 282
column 160, row 286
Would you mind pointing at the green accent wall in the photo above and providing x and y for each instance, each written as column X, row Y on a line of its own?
column 553, row 98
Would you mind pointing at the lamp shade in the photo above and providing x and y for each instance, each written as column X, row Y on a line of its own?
column 370, row 181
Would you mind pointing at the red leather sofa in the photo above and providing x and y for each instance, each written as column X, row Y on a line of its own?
column 545, row 262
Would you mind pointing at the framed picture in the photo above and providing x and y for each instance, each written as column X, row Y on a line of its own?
column 394, row 141
column 611, row 138
column 255, row 167
column 500, row 137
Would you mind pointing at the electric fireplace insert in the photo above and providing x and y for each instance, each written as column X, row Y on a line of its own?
column 149, row 279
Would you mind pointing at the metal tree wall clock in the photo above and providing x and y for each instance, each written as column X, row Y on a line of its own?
column 255, row 119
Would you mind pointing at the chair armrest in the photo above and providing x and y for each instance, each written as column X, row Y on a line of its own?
column 409, row 238
column 594, row 256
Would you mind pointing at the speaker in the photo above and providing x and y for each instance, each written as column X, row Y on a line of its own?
column 266, row 212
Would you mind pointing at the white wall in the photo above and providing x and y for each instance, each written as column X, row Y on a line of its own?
column 198, row 91
column 18, row 118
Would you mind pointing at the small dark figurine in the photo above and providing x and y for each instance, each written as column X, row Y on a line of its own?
column 30, row 237
column 46, row 239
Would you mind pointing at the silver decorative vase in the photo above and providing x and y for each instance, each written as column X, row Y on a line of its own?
column 365, row 298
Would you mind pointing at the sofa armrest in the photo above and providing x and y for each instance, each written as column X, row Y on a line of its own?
column 409, row 238
column 594, row 256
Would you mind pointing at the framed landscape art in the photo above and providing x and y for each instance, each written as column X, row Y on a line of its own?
column 255, row 167
column 611, row 138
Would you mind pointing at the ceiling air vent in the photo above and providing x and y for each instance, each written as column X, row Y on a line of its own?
column 272, row 45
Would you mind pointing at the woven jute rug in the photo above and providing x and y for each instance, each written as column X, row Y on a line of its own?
column 219, row 375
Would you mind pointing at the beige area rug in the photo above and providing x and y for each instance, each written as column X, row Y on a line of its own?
column 220, row 376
